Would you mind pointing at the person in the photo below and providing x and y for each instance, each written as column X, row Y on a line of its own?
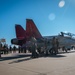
column 14, row 48
column 46, row 46
column 62, row 34
column 29, row 49
column 21, row 50
column 0, row 45
column 57, row 45
column 33, row 50
column 10, row 48
column 34, row 45
column 54, row 46
column 4, row 47
column 0, row 54
column 25, row 49
column 39, row 49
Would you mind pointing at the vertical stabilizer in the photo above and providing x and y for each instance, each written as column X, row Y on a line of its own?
column 20, row 32
column 31, row 29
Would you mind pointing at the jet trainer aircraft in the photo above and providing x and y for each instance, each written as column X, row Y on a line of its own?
column 22, row 36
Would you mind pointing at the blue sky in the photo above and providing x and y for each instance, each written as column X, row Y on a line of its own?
column 48, row 16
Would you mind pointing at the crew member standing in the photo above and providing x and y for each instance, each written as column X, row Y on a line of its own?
column 57, row 45
column 54, row 46
column 33, row 40
column 0, row 54
column 33, row 50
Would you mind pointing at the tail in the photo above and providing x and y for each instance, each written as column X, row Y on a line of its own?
column 31, row 29
column 20, row 36
column 20, row 32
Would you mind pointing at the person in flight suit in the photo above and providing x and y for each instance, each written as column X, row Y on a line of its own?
column 55, row 45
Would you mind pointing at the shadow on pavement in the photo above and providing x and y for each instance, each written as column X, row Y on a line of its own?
column 20, row 60
column 14, row 57
column 29, row 58
column 57, row 56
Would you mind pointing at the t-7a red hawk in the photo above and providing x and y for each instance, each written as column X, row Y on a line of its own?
column 22, row 36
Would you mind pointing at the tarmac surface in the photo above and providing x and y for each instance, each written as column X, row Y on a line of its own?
column 23, row 64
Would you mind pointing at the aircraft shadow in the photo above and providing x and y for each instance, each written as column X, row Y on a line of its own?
column 14, row 57
column 26, row 59
column 28, row 55
column 20, row 60
column 57, row 56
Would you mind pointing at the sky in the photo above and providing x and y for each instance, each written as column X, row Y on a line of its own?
column 50, row 16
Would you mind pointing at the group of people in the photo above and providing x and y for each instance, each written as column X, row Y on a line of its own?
column 53, row 50
column 35, row 50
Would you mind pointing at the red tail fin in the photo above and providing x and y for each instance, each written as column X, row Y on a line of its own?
column 20, row 32
column 31, row 29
